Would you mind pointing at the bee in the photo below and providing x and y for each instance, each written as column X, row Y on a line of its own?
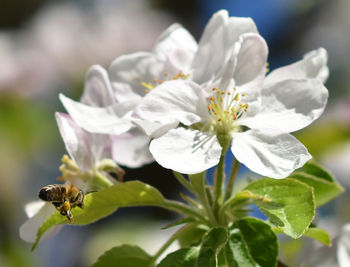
column 64, row 197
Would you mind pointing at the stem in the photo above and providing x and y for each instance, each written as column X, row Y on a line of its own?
column 231, row 181
column 184, row 209
column 224, row 141
column 101, row 181
column 183, row 181
column 219, row 182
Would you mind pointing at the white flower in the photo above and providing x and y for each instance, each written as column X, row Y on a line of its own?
column 177, row 56
column 253, row 113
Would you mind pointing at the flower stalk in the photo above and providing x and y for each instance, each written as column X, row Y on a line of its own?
column 231, row 181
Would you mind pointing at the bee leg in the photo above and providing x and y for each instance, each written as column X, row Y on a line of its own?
column 69, row 216
column 81, row 205
column 67, row 208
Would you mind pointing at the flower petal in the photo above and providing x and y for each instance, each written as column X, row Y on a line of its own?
column 29, row 229
column 173, row 38
column 313, row 65
column 76, row 141
column 131, row 149
column 33, row 207
column 186, row 151
column 97, row 91
column 155, row 129
column 174, row 100
column 287, row 106
column 86, row 149
column 128, row 72
column 216, row 43
column 108, row 120
column 251, row 59
column 270, row 154
column 343, row 250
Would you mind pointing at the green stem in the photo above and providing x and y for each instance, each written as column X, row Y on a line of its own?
column 183, row 209
column 183, row 181
column 101, row 181
column 224, row 141
column 231, row 181
column 220, row 177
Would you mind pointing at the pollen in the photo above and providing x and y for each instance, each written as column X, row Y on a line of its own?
column 226, row 107
column 155, row 82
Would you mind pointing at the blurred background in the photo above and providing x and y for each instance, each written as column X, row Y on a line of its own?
column 46, row 46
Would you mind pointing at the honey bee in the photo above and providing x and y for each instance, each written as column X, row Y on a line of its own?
column 64, row 197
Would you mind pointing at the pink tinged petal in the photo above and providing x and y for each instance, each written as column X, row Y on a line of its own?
column 76, row 141
column 174, row 100
column 269, row 154
column 216, row 43
column 108, row 120
column 287, row 106
column 251, row 59
column 186, row 151
column 131, row 149
column 86, row 149
column 29, row 229
column 313, row 65
column 343, row 250
column 173, row 38
column 98, row 90
column 128, row 72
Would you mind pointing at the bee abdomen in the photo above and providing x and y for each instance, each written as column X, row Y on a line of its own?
column 52, row 192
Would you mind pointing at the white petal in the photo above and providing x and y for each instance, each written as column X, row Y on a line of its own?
column 173, row 38
column 343, row 251
column 174, row 100
column 270, row 154
column 155, row 129
column 29, row 229
column 251, row 59
column 287, row 106
column 85, row 148
column 76, row 141
column 108, row 120
column 100, row 147
column 128, row 72
column 313, row 65
column 131, row 149
column 97, row 91
column 186, row 151
column 216, row 43
column 33, row 207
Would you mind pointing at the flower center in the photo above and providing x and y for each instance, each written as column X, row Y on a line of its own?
column 225, row 108
column 151, row 85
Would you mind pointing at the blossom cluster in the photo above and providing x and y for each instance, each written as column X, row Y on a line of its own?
column 184, row 104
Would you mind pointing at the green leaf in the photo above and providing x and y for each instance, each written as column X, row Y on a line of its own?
column 124, row 256
column 288, row 203
column 325, row 186
column 211, row 245
column 185, row 257
column 192, row 236
column 252, row 242
column 320, row 235
column 313, row 168
column 104, row 202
